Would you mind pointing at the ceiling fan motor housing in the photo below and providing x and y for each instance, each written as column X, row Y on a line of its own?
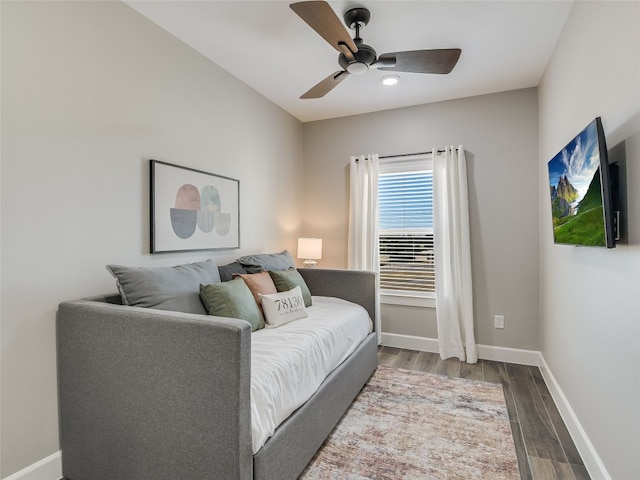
column 364, row 57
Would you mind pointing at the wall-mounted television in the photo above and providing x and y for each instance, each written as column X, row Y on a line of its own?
column 580, row 184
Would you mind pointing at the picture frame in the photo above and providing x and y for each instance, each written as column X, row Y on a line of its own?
column 192, row 209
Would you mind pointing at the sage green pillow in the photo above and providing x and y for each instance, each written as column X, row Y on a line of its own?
column 286, row 280
column 232, row 299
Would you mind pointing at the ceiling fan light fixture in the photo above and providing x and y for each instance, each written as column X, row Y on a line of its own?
column 390, row 80
column 357, row 68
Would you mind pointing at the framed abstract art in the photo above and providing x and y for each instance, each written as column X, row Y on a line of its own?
column 192, row 209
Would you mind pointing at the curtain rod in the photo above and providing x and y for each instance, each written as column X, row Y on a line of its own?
column 410, row 154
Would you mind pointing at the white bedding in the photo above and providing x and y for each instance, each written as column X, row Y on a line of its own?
column 288, row 363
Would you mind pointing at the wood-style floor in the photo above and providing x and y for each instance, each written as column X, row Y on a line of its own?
column 543, row 444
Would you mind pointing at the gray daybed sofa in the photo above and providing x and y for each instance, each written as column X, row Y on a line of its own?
column 154, row 394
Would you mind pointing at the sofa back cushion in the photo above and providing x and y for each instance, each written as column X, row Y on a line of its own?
column 165, row 288
column 267, row 261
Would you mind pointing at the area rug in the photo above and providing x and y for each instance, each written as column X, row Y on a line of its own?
column 414, row 425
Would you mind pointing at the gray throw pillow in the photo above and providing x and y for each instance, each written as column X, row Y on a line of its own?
column 165, row 288
column 232, row 299
column 267, row 262
column 227, row 271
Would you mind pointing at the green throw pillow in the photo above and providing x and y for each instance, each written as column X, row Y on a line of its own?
column 232, row 299
column 286, row 280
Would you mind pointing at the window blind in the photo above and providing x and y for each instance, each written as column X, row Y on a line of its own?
column 405, row 203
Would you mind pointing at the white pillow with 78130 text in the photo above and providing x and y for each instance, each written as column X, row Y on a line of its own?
column 283, row 307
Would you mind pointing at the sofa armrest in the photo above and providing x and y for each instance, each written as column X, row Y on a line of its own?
column 357, row 286
column 147, row 394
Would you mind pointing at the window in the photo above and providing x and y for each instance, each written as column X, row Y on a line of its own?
column 405, row 224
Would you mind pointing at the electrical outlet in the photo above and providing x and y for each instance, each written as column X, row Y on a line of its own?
column 498, row 321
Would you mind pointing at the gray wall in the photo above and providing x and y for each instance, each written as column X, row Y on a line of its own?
column 90, row 92
column 590, row 309
column 500, row 134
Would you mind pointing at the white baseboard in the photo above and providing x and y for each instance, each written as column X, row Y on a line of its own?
column 49, row 468
column 422, row 344
column 509, row 355
column 485, row 352
column 590, row 457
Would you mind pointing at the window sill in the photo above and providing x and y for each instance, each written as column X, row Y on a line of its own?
column 408, row 300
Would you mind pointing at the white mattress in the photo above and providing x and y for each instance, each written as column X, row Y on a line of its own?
column 288, row 363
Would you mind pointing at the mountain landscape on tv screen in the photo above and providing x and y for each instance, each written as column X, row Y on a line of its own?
column 576, row 193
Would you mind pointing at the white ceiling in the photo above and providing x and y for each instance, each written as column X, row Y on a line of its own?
column 505, row 46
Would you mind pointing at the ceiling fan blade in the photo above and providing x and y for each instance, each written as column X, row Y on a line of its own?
column 423, row 61
column 321, row 17
column 326, row 85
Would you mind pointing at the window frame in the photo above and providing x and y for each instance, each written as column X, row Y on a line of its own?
column 406, row 164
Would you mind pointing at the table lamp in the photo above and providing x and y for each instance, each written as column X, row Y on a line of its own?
column 310, row 249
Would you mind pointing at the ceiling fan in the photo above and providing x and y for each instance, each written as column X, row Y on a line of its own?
column 357, row 57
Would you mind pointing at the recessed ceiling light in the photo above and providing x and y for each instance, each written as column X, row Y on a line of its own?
column 390, row 80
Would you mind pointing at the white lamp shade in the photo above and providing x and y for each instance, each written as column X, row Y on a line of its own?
column 310, row 248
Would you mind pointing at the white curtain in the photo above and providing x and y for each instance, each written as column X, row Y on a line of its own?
column 363, row 251
column 454, row 296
